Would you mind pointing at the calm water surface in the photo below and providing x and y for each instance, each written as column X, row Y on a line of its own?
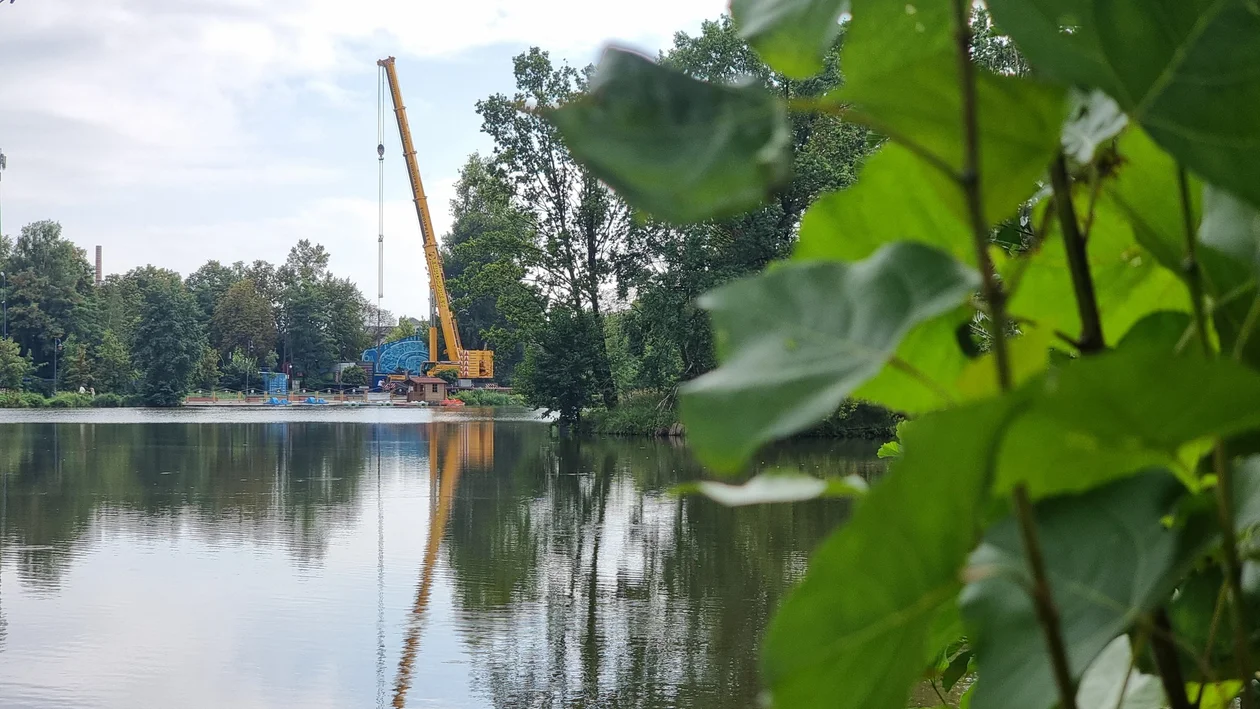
column 379, row 557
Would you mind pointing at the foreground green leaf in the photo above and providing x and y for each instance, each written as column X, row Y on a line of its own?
column 901, row 78
column 681, row 149
column 856, row 632
column 1109, row 415
column 1112, row 683
column 1109, row 559
column 896, row 198
column 1128, row 282
column 778, row 487
column 1177, row 67
column 792, row 36
column 1231, row 226
column 802, row 337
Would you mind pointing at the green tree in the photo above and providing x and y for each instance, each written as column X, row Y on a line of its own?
column 14, row 366
column 558, row 374
column 353, row 376
column 580, row 225
column 486, row 256
column 77, row 366
column 240, row 372
column 169, row 342
column 206, row 376
column 243, row 319
column 50, row 291
column 114, row 370
column 210, row 284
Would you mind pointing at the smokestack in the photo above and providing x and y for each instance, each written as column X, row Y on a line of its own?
column 98, row 264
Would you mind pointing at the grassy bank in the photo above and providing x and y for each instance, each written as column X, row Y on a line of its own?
column 654, row 414
column 64, row 400
column 477, row 397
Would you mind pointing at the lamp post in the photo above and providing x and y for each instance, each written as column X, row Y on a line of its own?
column 4, row 302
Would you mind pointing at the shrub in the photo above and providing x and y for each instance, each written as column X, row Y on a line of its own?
column 477, row 397
column 107, row 401
column 70, row 400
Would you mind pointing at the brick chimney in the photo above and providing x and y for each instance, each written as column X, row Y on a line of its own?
column 98, row 264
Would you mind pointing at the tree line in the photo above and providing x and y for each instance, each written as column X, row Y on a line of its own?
column 153, row 335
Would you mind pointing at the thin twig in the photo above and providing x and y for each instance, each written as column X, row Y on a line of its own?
column 1194, row 278
column 1248, row 326
column 1233, row 571
column 1078, row 261
column 969, row 180
column 1166, row 660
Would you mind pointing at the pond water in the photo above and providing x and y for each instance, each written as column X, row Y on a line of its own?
column 379, row 557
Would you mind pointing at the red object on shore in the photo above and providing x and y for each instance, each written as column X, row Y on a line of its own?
column 452, row 402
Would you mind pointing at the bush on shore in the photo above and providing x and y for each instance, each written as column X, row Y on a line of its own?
column 478, row 397
column 10, row 399
column 652, row 413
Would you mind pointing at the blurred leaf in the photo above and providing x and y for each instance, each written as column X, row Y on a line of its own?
column 1173, row 65
column 896, row 198
column 957, row 668
column 1109, row 558
column 1128, row 282
column 778, row 487
column 1247, row 494
column 1111, row 683
column 890, row 449
column 901, row 79
column 931, row 350
column 792, row 36
column 1102, row 417
column 800, row 338
column 1094, row 119
column 1161, row 331
column 856, row 632
column 1218, row 695
column 681, row 149
column 1231, row 226
column 1029, row 356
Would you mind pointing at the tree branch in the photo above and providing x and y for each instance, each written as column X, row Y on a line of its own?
column 1091, row 340
column 969, row 179
column 1166, row 660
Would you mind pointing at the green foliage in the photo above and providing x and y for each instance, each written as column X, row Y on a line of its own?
column 10, row 399
column 558, row 374
column 679, row 148
column 14, row 366
column 114, row 371
column 1109, row 558
column 449, row 376
column 70, row 400
column 168, row 346
column 240, row 372
column 794, row 361
column 1169, row 64
column 1111, row 201
column 107, row 400
column 243, row 319
column 354, row 376
column 481, row 397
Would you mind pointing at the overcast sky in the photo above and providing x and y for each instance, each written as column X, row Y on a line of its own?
column 172, row 132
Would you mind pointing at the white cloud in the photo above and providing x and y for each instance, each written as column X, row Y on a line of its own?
column 174, row 132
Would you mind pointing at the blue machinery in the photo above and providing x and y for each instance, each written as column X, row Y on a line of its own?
column 408, row 354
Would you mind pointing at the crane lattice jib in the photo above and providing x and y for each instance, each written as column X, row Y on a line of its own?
column 432, row 257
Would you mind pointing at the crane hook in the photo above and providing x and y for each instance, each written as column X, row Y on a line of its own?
column 380, row 150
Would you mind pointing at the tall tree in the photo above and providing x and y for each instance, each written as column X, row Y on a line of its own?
column 115, row 372
column 14, row 366
column 580, row 224
column 244, row 319
column 210, row 283
column 486, row 256
column 50, row 291
column 77, row 367
column 169, row 341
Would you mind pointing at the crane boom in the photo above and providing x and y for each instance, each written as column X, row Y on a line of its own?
column 475, row 364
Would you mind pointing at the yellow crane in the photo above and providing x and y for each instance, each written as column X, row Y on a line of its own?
column 469, row 364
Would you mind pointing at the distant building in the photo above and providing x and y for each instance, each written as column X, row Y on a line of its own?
column 430, row 389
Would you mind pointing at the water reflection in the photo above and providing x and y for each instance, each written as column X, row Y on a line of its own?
column 461, row 562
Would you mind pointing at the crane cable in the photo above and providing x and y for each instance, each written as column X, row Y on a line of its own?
column 380, row 203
